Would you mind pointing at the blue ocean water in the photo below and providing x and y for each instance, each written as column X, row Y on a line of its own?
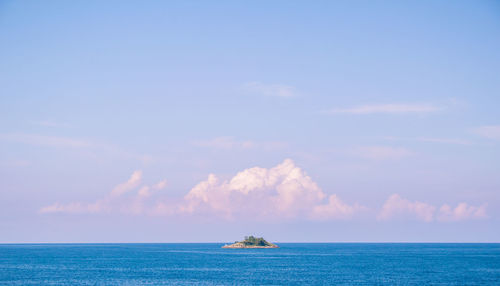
column 291, row 264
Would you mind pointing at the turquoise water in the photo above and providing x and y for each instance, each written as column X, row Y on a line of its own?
column 208, row 264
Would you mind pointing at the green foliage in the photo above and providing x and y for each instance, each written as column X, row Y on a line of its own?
column 255, row 241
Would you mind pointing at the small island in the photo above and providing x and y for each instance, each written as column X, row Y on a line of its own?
column 251, row 242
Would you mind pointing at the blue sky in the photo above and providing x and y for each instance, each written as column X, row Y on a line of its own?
column 369, row 121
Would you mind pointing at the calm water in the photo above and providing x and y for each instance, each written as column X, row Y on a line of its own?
column 208, row 264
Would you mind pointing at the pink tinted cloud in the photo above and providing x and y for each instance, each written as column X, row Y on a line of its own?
column 133, row 182
column 397, row 207
column 491, row 131
column 122, row 198
column 281, row 192
column 462, row 211
column 284, row 191
column 160, row 185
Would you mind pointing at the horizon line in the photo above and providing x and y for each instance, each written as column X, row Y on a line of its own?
column 315, row 242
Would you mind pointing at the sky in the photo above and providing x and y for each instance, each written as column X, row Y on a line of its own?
column 205, row 121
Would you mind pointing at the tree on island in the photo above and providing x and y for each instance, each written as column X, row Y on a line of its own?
column 251, row 242
column 256, row 241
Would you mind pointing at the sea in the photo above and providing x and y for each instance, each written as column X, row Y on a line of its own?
column 291, row 264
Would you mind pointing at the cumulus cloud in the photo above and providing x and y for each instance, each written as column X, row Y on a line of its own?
column 278, row 90
column 126, row 197
column 160, row 185
column 462, row 211
column 393, row 108
column 397, row 207
column 132, row 183
column 144, row 192
column 284, row 191
column 335, row 208
column 281, row 192
column 491, row 131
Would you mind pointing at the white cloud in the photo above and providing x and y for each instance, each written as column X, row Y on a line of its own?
column 229, row 142
column 144, row 192
column 335, row 208
column 431, row 140
column 15, row 163
column 160, row 185
column 284, row 191
column 224, row 142
column 74, row 208
column 397, row 207
column 48, row 123
column 278, row 90
column 54, row 141
column 461, row 212
column 491, row 132
column 120, row 199
column 133, row 182
column 95, row 149
column 444, row 140
column 393, row 108
column 382, row 152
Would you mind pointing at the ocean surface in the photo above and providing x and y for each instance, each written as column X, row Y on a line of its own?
column 291, row 264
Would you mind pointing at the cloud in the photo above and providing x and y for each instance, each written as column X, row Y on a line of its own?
column 144, row 192
column 120, row 199
column 444, row 140
column 282, row 192
column 133, row 182
column 160, row 185
column 431, row 140
column 335, row 208
column 224, row 142
column 74, row 208
column 397, row 207
column 16, row 163
column 382, row 152
column 393, row 108
column 89, row 147
column 229, row 142
column 461, row 212
column 278, row 90
column 48, row 123
column 53, row 141
column 490, row 132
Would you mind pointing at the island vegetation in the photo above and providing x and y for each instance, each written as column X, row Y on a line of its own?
column 251, row 242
